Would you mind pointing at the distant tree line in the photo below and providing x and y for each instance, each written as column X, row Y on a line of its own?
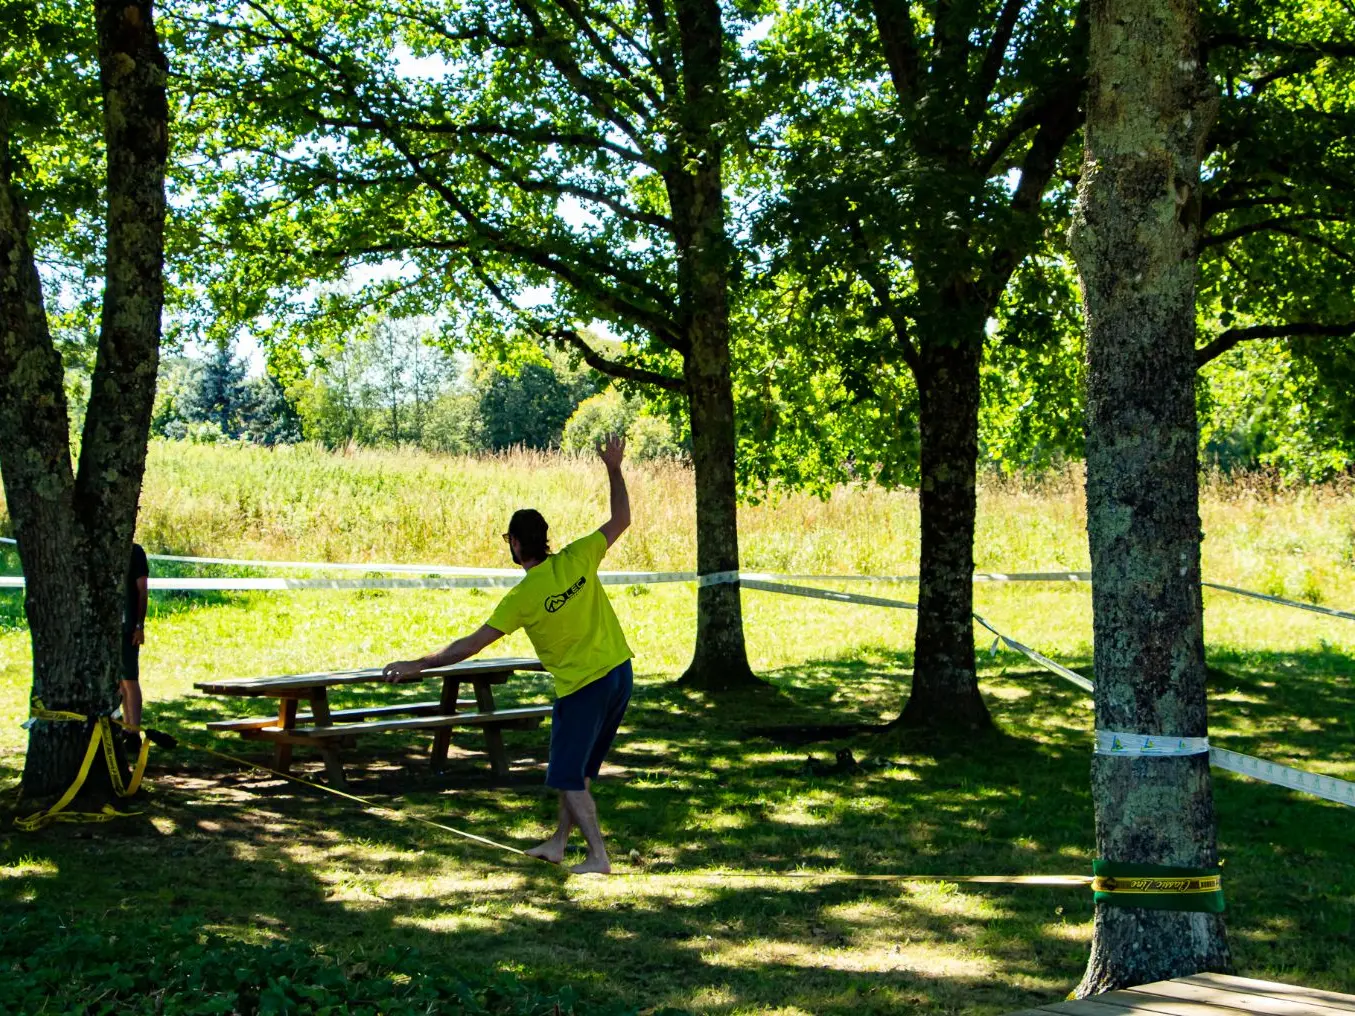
column 389, row 387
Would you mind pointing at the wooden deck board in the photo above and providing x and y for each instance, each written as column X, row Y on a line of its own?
column 1230, row 998
column 1331, row 999
column 1206, row 995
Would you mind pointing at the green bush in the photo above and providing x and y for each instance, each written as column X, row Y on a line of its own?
column 647, row 437
column 178, row 970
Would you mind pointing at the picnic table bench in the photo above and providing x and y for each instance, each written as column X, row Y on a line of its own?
column 328, row 730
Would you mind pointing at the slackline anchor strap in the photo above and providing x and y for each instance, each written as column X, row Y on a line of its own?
column 100, row 737
column 1157, row 886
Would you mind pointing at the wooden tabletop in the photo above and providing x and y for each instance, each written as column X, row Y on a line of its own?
column 1207, row 995
column 494, row 670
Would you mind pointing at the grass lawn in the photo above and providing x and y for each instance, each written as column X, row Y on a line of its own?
column 289, row 882
column 236, row 891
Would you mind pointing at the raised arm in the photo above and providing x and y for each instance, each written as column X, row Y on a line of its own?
column 461, row 649
column 612, row 451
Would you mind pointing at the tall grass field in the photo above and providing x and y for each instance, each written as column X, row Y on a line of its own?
column 236, row 891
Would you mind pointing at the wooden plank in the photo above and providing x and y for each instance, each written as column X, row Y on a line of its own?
column 496, row 671
column 430, row 708
column 1230, row 982
column 498, row 756
column 329, row 750
column 1225, row 999
column 1206, row 995
column 1154, row 1004
column 1089, row 1007
column 442, row 740
column 499, row 717
column 282, row 751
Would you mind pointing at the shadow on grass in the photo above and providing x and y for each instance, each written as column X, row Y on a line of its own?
column 689, row 791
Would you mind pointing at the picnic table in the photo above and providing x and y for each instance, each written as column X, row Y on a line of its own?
column 328, row 730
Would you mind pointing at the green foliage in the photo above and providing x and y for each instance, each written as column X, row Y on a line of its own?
column 905, row 189
column 1030, row 419
column 184, row 971
column 494, row 166
column 1281, row 405
column 529, row 405
column 610, row 412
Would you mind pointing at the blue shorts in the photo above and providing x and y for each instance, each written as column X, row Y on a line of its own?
column 583, row 726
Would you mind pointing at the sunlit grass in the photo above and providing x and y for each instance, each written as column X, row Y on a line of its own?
column 689, row 792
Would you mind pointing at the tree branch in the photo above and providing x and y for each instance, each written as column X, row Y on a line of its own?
column 1275, row 224
column 1234, row 336
column 1037, row 169
column 868, row 265
column 624, row 371
column 1261, row 44
column 608, row 54
column 993, row 57
column 572, row 337
column 556, row 53
column 894, row 25
column 538, row 186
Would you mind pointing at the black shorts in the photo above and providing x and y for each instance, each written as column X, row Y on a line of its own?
column 131, row 658
column 582, row 727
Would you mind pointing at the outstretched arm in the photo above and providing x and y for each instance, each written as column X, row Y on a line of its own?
column 612, row 451
column 461, row 649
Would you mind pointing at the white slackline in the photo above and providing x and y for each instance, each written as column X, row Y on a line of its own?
column 266, row 584
column 712, row 579
column 761, row 582
column 1328, row 787
column 1120, row 742
column 1330, row 612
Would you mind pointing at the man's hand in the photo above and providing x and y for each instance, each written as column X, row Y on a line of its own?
column 402, row 670
column 138, row 636
column 612, row 450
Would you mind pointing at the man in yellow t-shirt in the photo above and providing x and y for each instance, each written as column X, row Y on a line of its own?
column 565, row 612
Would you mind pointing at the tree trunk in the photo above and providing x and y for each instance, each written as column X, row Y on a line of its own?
column 1134, row 237
column 696, row 196
column 720, row 660
column 74, row 531
column 945, row 691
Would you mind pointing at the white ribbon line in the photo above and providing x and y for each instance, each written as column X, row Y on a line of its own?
column 1329, row 787
column 1330, row 612
column 1119, row 742
column 269, row 584
column 748, row 581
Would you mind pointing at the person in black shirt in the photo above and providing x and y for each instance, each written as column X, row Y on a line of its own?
column 133, row 634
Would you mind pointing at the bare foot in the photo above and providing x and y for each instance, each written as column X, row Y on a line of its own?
column 552, row 851
column 593, row 866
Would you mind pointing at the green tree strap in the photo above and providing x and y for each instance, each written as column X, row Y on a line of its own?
column 1157, row 887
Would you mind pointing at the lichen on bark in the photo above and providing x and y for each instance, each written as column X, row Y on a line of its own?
column 1134, row 236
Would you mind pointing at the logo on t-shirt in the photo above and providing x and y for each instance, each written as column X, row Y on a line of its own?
column 554, row 603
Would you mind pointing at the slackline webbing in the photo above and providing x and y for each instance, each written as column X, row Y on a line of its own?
column 1328, row 787
column 394, row 814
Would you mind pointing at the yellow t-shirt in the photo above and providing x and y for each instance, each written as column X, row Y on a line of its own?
column 567, row 615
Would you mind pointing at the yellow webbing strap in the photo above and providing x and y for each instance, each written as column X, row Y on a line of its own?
column 101, row 735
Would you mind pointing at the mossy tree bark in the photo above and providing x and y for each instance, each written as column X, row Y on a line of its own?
column 1134, row 236
column 74, row 527
column 945, row 688
column 696, row 196
column 962, row 247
